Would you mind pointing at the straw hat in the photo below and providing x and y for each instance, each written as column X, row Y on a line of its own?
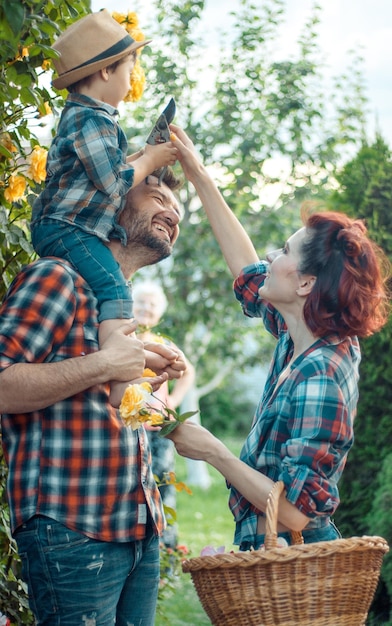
column 93, row 42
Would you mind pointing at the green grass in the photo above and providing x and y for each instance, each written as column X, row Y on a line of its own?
column 203, row 519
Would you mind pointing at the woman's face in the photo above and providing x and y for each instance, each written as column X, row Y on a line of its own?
column 283, row 280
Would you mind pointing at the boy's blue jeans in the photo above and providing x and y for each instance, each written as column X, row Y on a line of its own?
column 92, row 259
column 77, row 581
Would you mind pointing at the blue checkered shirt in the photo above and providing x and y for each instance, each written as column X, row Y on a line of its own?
column 303, row 429
column 87, row 174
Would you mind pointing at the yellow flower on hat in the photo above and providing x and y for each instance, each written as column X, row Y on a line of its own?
column 37, row 169
column 15, row 188
column 130, row 21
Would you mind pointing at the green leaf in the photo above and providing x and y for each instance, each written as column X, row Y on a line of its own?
column 14, row 12
column 185, row 416
column 5, row 152
column 168, row 428
column 170, row 514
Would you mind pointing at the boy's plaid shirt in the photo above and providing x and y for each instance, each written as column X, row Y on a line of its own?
column 88, row 177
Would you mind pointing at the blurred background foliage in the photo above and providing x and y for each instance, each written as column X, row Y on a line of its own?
column 273, row 137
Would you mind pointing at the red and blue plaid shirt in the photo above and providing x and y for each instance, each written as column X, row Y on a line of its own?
column 303, row 429
column 74, row 461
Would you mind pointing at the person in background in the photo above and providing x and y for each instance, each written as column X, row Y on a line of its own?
column 317, row 295
column 149, row 305
column 88, row 171
column 85, row 510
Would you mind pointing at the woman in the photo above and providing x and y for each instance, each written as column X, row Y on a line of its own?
column 316, row 295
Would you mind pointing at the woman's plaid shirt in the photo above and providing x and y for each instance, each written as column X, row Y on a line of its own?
column 303, row 429
column 74, row 461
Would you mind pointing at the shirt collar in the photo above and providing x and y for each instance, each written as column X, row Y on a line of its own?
column 83, row 100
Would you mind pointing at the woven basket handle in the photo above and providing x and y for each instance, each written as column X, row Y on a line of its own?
column 271, row 534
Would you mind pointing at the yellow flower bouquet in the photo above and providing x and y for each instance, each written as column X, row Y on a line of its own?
column 136, row 409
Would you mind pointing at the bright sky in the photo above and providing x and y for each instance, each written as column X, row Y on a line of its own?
column 345, row 25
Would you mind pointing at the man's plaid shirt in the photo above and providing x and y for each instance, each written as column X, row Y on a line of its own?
column 303, row 429
column 74, row 461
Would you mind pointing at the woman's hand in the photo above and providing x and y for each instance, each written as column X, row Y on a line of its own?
column 187, row 155
column 195, row 442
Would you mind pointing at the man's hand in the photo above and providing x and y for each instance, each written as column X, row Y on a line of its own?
column 155, row 382
column 124, row 354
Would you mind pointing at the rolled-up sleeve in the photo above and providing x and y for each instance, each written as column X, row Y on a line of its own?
column 246, row 290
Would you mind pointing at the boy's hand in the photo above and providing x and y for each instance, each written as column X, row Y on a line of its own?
column 152, row 158
column 160, row 155
column 161, row 358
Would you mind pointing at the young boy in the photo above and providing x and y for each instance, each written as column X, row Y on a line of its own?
column 88, row 170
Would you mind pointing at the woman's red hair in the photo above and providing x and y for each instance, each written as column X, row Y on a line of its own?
column 350, row 296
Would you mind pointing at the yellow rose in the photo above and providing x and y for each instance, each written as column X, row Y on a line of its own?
column 132, row 19
column 7, row 142
column 147, row 387
column 135, row 421
column 47, row 108
column 119, row 17
column 15, row 188
column 137, row 82
column 134, row 400
column 131, row 24
column 37, row 169
column 156, row 419
column 137, row 35
column 22, row 53
column 147, row 373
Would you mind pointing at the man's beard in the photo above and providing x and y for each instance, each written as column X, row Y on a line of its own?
column 140, row 238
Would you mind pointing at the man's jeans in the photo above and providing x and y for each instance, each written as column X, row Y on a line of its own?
column 76, row 581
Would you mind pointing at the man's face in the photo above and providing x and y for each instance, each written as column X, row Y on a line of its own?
column 151, row 219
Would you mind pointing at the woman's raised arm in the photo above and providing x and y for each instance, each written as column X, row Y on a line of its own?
column 235, row 243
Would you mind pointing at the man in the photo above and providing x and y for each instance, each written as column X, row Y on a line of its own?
column 85, row 510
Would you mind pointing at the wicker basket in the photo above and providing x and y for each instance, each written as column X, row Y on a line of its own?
column 330, row 583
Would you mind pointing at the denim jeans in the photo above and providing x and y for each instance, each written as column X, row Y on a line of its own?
column 77, row 581
column 92, row 259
